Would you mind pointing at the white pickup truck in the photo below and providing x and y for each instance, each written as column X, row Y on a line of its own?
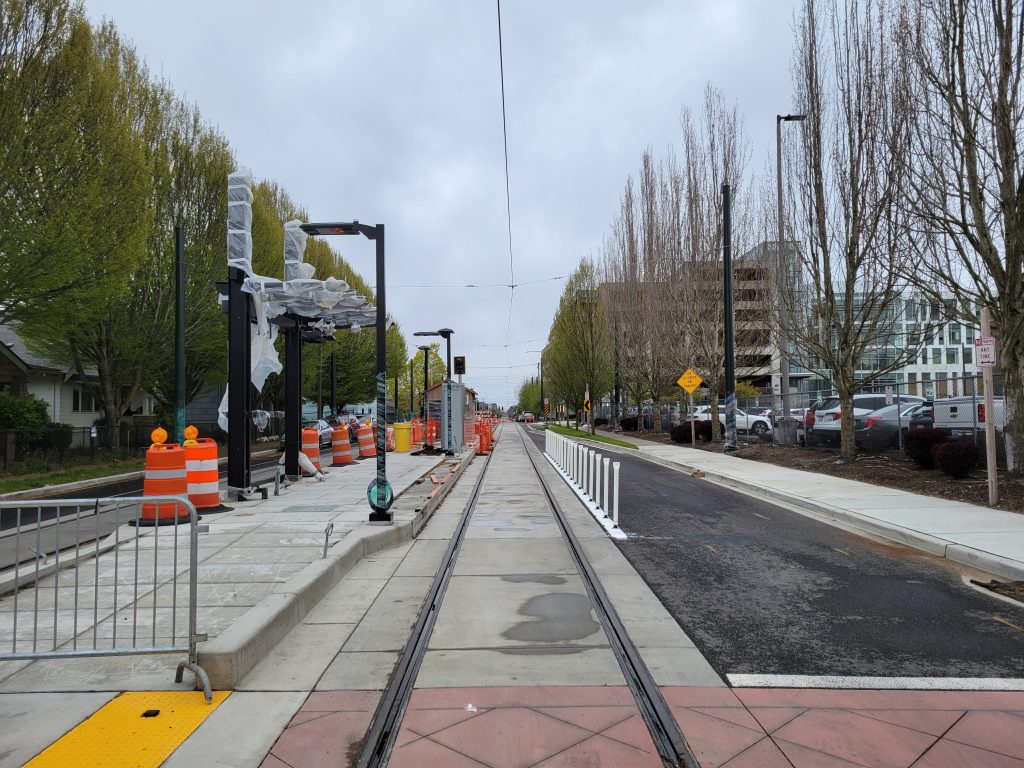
column 964, row 416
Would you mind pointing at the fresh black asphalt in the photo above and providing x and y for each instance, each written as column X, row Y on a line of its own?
column 763, row 590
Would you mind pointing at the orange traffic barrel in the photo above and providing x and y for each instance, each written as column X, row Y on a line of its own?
column 432, row 432
column 417, row 431
column 389, row 439
column 311, row 446
column 364, row 437
column 165, row 475
column 201, row 473
column 341, row 448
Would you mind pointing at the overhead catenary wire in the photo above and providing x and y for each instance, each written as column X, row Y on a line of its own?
column 508, row 195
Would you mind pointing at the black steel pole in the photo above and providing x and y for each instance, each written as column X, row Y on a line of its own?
column 412, row 404
column 395, row 417
column 616, row 392
column 380, row 514
column 426, row 410
column 730, row 363
column 334, row 382
column 239, row 315
column 448, row 396
column 292, row 397
column 540, row 371
column 320, row 381
column 179, row 334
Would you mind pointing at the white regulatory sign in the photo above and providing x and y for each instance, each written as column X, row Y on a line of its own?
column 985, row 351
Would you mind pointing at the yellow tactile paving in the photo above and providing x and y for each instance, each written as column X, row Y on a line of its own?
column 118, row 735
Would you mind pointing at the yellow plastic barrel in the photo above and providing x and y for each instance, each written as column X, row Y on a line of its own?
column 403, row 438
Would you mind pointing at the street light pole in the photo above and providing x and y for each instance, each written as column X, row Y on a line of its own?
column 787, row 430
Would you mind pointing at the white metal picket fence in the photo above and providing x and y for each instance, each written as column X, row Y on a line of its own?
column 596, row 476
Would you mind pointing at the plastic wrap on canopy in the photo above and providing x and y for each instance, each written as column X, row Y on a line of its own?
column 294, row 248
column 240, row 220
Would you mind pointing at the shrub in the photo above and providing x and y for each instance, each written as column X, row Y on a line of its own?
column 704, row 431
column 629, row 423
column 23, row 414
column 57, row 437
column 600, row 422
column 956, row 457
column 918, row 444
column 680, row 433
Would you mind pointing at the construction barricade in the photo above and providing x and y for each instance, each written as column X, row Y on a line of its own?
column 389, row 439
column 311, row 447
column 165, row 475
column 341, row 447
column 364, row 438
column 201, row 469
column 432, row 432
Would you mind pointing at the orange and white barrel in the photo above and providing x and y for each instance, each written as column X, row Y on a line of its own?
column 389, row 439
column 165, row 475
column 364, row 437
column 341, row 447
column 432, row 432
column 201, row 473
column 311, row 446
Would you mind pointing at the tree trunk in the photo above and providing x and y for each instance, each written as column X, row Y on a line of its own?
column 656, row 415
column 848, row 445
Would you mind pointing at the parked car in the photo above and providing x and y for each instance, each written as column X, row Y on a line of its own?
column 826, row 427
column 880, row 430
column 755, row 425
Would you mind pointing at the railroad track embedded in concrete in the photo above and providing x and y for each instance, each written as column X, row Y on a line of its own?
column 383, row 730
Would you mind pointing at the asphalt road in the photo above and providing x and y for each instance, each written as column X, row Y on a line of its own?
column 762, row 590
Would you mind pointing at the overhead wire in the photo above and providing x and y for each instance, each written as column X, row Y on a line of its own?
column 508, row 195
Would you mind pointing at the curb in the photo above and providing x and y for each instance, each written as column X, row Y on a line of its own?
column 933, row 545
column 228, row 657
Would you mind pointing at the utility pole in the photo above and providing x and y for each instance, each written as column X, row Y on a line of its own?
column 990, row 416
column 730, row 362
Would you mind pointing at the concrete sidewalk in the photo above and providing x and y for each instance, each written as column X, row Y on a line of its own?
column 990, row 540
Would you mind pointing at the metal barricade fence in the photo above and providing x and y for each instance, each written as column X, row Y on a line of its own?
column 76, row 581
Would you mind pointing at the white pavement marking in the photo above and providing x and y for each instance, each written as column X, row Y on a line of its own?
column 877, row 683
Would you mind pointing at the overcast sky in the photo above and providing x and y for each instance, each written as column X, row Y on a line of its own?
column 390, row 112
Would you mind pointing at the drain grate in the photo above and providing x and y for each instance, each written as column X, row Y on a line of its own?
column 1012, row 589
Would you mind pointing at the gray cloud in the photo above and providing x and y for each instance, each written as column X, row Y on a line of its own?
column 391, row 112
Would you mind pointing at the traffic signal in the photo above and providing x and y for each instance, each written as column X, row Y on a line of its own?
column 460, row 366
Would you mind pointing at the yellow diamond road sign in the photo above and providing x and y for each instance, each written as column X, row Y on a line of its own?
column 690, row 380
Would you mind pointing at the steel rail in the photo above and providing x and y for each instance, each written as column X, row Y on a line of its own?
column 387, row 719
column 667, row 737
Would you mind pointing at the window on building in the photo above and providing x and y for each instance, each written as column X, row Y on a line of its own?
column 968, row 356
column 936, row 356
column 969, row 334
column 940, row 376
column 952, row 358
column 924, row 357
column 82, row 401
column 926, row 376
column 954, row 333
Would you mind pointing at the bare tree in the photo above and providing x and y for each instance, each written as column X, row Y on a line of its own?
column 715, row 151
column 851, row 80
column 967, row 180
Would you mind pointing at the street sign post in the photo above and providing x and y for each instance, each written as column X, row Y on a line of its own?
column 985, row 346
column 690, row 381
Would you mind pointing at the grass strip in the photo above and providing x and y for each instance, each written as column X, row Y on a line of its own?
column 27, row 482
column 570, row 432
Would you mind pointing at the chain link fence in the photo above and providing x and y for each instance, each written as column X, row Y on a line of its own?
column 883, row 414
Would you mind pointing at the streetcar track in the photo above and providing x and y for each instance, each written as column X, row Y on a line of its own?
column 383, row 730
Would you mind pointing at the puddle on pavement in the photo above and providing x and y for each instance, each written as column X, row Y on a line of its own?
column 534, row 578
column 560, row 617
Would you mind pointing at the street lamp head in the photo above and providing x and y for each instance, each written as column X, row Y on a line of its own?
column 424, row 349
column 443, row 332
column 340, row 228
column 790, row 118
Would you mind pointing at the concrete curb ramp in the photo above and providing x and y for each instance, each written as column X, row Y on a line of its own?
column 228, row 657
